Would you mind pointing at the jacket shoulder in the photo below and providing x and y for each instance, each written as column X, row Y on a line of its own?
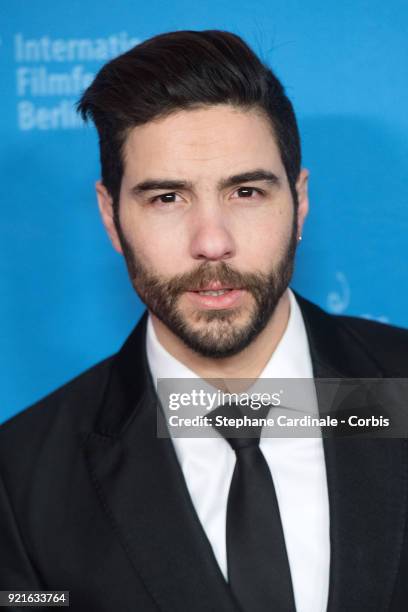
column 71, row 407
column 386, row 344
column 354, row 346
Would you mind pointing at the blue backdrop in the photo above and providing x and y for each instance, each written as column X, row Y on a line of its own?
column 65, row 298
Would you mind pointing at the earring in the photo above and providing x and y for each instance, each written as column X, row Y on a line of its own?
column 299, row 238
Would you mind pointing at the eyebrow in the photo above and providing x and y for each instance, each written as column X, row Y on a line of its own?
column 230, row 181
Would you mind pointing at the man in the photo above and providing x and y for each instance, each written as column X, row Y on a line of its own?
column 203, row 193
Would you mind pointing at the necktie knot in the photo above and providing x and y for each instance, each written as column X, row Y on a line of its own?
column 248, row 433
column 238, row 444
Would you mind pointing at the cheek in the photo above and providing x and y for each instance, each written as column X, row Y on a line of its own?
column 159, row 251
column 267, row 235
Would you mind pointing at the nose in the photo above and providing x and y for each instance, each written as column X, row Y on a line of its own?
column 211, row 238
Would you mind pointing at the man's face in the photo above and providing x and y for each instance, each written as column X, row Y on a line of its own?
column 207, row 224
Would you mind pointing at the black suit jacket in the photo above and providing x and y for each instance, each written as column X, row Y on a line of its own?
column 93, row 502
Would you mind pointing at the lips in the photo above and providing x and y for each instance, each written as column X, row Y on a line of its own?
column 214, row 286
column 209, row 298
column 212, row 291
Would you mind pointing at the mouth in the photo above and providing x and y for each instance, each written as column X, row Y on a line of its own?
column 216, row 296
column 214, row 292
column 214, row 288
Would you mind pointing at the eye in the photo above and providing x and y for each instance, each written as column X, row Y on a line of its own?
column 248, row 192
column 165, row 198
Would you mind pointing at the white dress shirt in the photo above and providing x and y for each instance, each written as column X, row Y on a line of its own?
column 297, row 466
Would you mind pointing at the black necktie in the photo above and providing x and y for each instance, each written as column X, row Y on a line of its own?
column 258, row 567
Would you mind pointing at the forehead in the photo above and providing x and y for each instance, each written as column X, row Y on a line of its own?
column 202, row 140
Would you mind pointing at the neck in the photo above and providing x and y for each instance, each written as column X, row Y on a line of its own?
column 249, row 363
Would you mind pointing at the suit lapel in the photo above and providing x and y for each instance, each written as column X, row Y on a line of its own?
column 367, row 482
column 143, row 492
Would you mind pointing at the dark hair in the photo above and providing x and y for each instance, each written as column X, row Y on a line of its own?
column 183, row 70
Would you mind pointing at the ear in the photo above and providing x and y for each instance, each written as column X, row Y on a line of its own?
column 303, row 199
column 105, row 203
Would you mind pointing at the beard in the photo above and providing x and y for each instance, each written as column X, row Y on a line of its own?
column 213, row 333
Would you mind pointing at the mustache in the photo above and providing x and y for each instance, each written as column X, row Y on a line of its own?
column 208, row 273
